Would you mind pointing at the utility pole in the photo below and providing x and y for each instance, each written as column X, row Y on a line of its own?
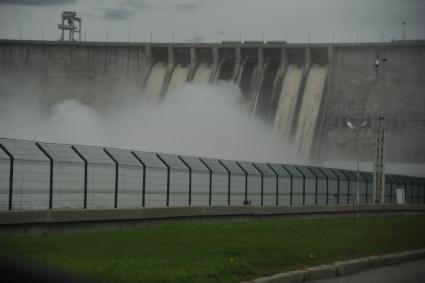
column 379, row 169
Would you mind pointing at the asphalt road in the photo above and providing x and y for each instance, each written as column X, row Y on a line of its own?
column 411, row 272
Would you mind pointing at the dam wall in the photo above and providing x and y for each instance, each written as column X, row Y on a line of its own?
column 353, row 92
column 93, row 74
column 307, row 92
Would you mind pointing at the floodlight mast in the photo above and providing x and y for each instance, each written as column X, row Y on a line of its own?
column 356, row 131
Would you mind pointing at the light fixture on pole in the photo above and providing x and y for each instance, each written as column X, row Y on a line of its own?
column 356, row 130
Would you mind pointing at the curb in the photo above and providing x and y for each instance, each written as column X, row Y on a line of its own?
column 341, row 268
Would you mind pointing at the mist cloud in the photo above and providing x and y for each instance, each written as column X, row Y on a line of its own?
column 206, row 120
column 198, row 120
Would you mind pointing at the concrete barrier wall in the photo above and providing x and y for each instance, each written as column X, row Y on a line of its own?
column 68, row 221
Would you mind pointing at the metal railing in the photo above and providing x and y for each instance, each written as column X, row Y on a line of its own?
column 36, row 175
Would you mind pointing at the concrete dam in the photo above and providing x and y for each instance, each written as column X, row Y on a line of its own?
column 305, row 92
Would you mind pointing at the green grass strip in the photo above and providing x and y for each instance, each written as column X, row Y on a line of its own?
column 216, row 251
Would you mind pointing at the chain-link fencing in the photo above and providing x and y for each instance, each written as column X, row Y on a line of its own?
column 51, row 176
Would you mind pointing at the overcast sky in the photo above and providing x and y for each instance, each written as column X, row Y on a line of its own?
column 210, row 20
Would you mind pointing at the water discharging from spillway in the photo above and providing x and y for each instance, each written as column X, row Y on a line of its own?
column 256, row 89
column 285, row 112
column 155, row 81
column 202, row 74
column 310, row 107
column 178, row 79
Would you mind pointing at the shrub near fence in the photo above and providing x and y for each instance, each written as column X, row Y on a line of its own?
column 49, row 176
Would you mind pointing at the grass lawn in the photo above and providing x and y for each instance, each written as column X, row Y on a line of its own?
column 217, row 251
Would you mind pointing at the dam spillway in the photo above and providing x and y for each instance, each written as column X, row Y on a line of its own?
column 310, row 108
column 202, row 74
column 305, row 91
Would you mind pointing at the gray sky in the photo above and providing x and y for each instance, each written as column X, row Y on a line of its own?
column 222, row 19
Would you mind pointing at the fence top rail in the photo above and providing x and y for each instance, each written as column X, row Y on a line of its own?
column 23, row 150
column 3, row 155
column 61, row 153
column 195, row 164
column 390, row 179
column 173, row 162
column 329, row 173
column 349, row 174
column 339, row 174
column 233, row 167
column 317, row 172
column 367, row 176
column 94, row 155
column 304, row 171
column 215, row 165
column 151, row 160
column 280, row 170
column 407, row 180
column 249, row 168
column 394, row 179
column 418, row 181
column 264, row 169
column 124, row 157
column 399, row 180
column 27, row 151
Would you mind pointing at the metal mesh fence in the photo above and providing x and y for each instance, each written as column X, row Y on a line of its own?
column 130, row 178
column 199, row 180
column 68, row 172
column 237, row 182
column 253, row 180
column 52, row 176
column 5, row 170
column 320, row 185
column 101, row 177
